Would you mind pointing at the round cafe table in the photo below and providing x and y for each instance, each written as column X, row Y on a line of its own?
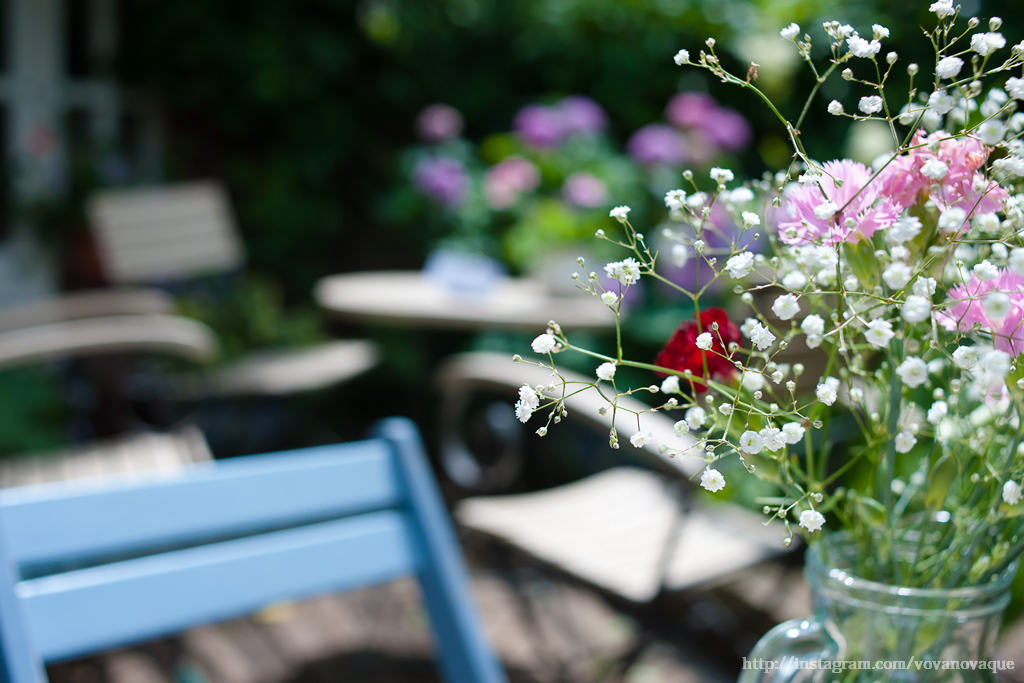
column 412, row 299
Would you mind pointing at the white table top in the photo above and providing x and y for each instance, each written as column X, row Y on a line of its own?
column 409, row 298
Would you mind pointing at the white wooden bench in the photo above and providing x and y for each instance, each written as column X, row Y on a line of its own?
column 152, row 235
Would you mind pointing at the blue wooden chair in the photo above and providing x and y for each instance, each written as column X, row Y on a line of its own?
column 86, row 569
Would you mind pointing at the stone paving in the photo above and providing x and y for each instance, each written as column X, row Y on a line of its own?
column 545, row 629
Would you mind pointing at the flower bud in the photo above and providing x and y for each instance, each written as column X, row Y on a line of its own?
column 847, row 74
column 973, row 22
column 912, row 69
column 995, row 23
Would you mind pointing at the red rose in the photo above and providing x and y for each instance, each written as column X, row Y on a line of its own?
column 681, row 352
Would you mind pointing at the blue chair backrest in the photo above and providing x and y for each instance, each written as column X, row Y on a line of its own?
column 86, row 569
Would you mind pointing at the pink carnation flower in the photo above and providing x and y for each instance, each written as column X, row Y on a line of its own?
column 963, row 186
column 968, row 307
column 839, row 183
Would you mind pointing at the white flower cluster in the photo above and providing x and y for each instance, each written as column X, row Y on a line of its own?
column 902, row 283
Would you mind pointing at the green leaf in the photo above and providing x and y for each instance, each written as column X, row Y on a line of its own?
column 870, row 511
column 939, row 481
column 861, row 257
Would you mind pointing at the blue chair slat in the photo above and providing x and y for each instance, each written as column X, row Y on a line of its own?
column 56, row 523
column 311, row 521
column 442, row 575
column 102, row 607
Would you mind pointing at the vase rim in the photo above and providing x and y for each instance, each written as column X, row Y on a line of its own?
column 844, row 576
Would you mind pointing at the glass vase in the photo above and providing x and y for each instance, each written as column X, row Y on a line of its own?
column 863, row 630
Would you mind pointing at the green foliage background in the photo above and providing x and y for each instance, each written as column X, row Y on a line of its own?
column 302, row 107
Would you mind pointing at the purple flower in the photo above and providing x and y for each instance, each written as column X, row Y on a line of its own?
column 439, row 122
column 540, row 126
column 690, row 109
column 585, row 190
column 507, row 179
column 442, row 179
column 727, row 128
column 582, row 115
column 657, row 143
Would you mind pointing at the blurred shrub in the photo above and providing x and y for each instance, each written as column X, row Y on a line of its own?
column 247, row 313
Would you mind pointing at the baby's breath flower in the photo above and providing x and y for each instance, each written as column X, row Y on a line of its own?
column 1012, row 493
column 761, row 336
column 712, row 480
column 812, row 520
column 825, row 210
column 740, row 265
column 786, row 306
column 965, row 357
column 828, row 391
column 916, row 309
column 937, row 411
column 528, row 401
column 791, row 32
column 942, row 8
column 996, row 363
column 752, row 381
column 670, row 385
column 987, row 43
column 750, row 219
column 991, row 132
column 626, row 271
column 813, row 325
column 695, row 417
column 620, row 213
column 941, row 102
column 905, row 441
column 793, row 432
column 543, row 344
column 997, row 305
column 835, row 107
column 879, row 31
column 934, row 169
column 870, row 104
column 897, row 275
column 952, row 219
column 675, row 199
column 606, row 371
column 913, row 372
column 750, row 442
column 903, row 230
column 863, row 48
column 721, row 175
column 704, row 341
column 1016, row 261
column 948, row 67
column 641, row 439
column 681, row 57
column 985, row 271
column 772, row 439
column 1015, row 88
column 879, row 333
